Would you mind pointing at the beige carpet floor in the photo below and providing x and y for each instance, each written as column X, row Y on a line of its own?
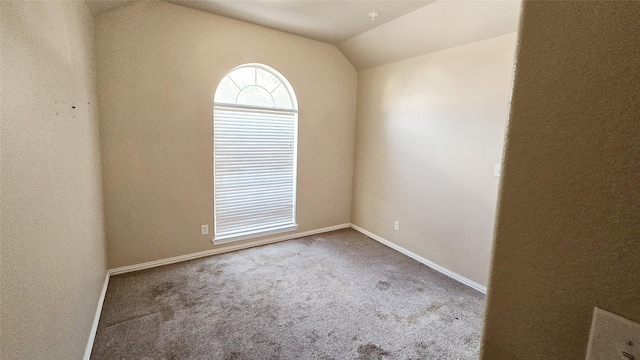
column 338, row 295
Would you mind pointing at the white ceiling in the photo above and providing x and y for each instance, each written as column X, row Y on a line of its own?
column 332, row 21
column 440, row 25
column 329, row 21
column 404, row 29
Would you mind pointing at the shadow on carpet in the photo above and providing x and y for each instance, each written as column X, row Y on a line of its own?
column 337, row 295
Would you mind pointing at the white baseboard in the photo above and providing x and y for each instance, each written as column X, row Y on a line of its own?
column 445, row 271
column 96, row 318
column 242, row 246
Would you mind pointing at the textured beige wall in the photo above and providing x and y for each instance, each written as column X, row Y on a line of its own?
column 429, row 131
column 568, row 230
column 158, row 68
column 52, row 240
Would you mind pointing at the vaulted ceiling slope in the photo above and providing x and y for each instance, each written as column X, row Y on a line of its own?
column 440, row 25
column 403, row 29
column 328, row 21
column 332, row 21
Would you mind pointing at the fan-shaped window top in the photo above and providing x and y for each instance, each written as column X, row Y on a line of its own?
column 255, row 85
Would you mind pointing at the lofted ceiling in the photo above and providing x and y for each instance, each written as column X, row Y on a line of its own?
column 403, row 29
column 332, row 21
column 440, row 25
column 329, row 21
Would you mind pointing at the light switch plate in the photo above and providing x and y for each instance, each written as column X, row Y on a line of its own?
column 204, row 229
column 613, row 337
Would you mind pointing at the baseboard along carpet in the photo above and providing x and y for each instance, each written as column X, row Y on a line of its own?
column 337, row 295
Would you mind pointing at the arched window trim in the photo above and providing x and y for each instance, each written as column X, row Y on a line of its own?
column 283, row 82
column 226, row 111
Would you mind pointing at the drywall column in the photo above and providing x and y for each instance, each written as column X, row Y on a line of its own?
column 52, row 249
column 568, row 231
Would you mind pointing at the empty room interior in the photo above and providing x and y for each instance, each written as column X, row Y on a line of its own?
column 320, row 179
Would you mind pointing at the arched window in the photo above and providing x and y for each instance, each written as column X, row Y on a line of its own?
column 255, row 127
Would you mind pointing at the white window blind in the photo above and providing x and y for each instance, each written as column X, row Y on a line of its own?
column 254, row 167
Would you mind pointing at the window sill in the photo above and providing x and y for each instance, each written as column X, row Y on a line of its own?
column 253, row 234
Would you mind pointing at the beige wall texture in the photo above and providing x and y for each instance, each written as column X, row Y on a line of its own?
column 429, row 131
column 52, row 251
column 568, row 224
column 158, row 68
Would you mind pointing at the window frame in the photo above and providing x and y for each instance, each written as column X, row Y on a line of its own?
column 293, row 225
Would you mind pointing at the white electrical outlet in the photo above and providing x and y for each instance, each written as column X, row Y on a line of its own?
column 396, row 225
column 496, row 170
column 204, row 230
column 613, row 337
